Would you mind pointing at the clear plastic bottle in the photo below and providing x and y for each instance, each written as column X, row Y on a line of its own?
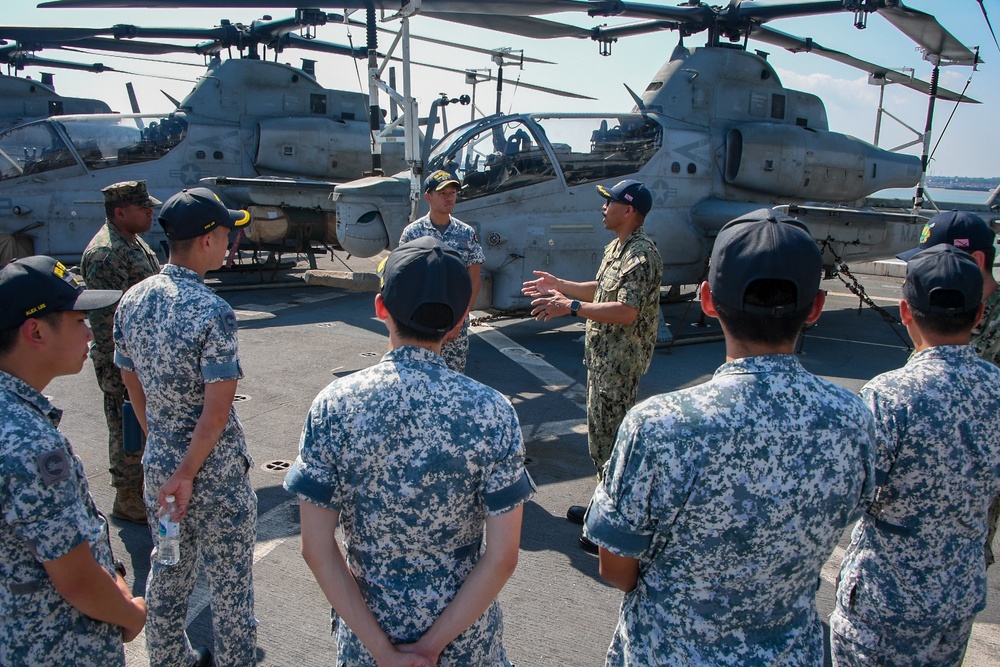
column 168, row 536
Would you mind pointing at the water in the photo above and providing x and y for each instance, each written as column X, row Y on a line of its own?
column 939, row 195
column 168, row 537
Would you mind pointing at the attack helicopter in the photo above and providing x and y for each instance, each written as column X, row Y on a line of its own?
column 268, row 136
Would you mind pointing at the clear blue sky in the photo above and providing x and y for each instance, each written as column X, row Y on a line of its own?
column 970, row 147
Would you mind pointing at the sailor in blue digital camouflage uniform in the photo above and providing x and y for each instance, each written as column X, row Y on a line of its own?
column 914, row 578
column 722, row 502
column 970, row 233
column 63, row 598
column 413, row 460
column 441, row 194
column 176, row 343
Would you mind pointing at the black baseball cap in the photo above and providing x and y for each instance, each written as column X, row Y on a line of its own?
column 421, row 272
column 966, row 231
column 39, row 285
column 943, row 280
column 191, row 213
column 630, row 192
column 439, row 180
column 764, row 245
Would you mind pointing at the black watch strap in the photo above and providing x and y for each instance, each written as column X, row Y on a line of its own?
column 120, row 568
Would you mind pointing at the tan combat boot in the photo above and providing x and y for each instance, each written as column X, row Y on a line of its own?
column 129, row 506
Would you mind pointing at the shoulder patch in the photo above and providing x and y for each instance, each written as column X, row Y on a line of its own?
column 53, row 466
column 229, row 324
column 637, row 260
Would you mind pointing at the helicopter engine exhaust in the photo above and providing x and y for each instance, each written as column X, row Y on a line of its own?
column 808, row 164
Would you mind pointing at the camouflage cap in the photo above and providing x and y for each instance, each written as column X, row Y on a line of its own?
column 129, row 192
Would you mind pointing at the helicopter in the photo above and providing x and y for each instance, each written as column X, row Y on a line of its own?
column 714, row 136
column 267, row 134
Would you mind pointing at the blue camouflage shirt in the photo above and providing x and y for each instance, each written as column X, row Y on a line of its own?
column 47, row 511
column 457, row 234
column 177, row 336
column 732, row 495
column 414, row 456
column 916, row 557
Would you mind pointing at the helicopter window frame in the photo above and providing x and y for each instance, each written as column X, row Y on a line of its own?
column 103, row 141
column 490, row 158
column 41, row 146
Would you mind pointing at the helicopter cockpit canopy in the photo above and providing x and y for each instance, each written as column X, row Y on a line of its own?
column 496, row 154
column 87, row 142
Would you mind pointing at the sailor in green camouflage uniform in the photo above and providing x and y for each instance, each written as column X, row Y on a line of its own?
column 913, row 578
column 63, row 598
column 722, row 502
column 118, row 258
column 177, row 345
column 971, row 233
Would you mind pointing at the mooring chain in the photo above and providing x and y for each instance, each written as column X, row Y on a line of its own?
column 858, row 290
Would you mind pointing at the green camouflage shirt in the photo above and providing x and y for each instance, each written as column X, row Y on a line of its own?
column 630, row 273
column 113, row 261
column 986, row 334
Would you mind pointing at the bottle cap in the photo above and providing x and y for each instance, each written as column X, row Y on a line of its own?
column 170, row 499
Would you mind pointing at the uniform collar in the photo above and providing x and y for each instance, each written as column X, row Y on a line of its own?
column 181, row 273
column 29, row 395
column 414, row 354
column 767, row 363
column 949, row 353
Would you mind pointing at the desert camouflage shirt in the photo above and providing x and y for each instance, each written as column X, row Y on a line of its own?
column 178, row 335
column 113, row 261
column 415, row 457
column 630, row 273
column 916, row 556
column 732, row 495
column 47, row 511
column 986, row 334
column 457, row 235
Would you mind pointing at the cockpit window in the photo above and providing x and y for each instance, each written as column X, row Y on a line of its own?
column 110, row 143
column 495, row 159
column 33, row 149
column 594, row 149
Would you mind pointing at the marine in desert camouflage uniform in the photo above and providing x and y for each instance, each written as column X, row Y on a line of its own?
column 63, row 598
column 913, row 579
column 722, row 502
column 176, row 342
column 118, row 258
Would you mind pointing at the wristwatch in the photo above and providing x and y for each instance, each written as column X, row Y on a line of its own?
column 120, row 568
column 574, row 306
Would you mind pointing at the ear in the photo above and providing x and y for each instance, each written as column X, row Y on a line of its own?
column 34, row 332
column 817, row 307
column 979, row 313
column 381, row 311
column 427, row 197
column 707, row 305
column 979, row 257
column 905, row 313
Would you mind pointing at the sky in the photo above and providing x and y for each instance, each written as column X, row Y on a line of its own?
column 969, row 147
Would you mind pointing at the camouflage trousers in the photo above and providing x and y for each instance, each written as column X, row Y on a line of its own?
column 609, row 397
column 218, row 534
column 126, row 468
column 456, row 352
column 991, row 529
column 854, row 643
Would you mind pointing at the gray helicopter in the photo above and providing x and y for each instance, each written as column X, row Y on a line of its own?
column 265, row 135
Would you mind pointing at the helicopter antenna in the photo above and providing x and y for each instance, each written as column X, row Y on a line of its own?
column 638, row 101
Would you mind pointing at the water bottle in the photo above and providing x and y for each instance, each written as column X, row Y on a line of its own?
column 168, row 542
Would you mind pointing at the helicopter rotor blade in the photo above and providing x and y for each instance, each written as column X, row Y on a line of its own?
column 931, row 36
column 988, row 24
column 525, row 26
column 33, row 34
column 141, row 47
column 291, row 40
column 629, row 29
column 531, row 86
column 504, row 7
column 22, row 60
column 799, row 45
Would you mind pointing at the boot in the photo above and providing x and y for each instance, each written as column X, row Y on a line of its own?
column 129, row 506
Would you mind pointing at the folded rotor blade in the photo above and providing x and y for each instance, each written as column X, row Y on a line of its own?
column 32, row 34
column 629, row 29
column 504, row 7
column 761, row 12
column 930, row 35
column 798, row 45
column 142, row 47
column 291, row 40
column 526, row 26
column 543, row 89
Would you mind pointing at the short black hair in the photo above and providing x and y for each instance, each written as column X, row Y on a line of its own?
column 436, row 315
column 764, row 328
column 946, row 325
column 182, row 246
column 8, row 337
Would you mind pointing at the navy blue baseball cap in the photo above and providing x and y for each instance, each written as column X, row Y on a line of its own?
column 420, row 272
column 764, row 245
column 38, row 285
column 943, row 280
column 192, row 213
column 630, row 192
column 439, row 180
column 966, row 231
